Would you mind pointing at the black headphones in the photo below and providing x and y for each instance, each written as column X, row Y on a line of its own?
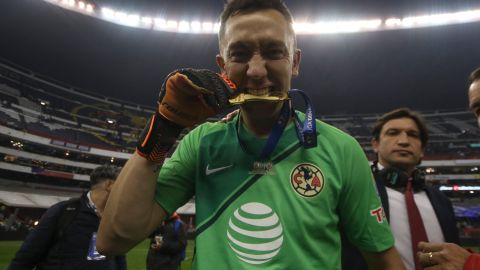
column 397, row 178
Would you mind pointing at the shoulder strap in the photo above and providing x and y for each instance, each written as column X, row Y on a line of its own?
column 176, row 226
column 67, row 213
column 70, row 211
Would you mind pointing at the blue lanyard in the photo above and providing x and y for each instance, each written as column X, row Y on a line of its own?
column 306, row 132
column 274, row 136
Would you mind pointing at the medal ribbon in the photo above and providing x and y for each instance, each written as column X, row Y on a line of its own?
column 306, row 132
column 274, row 136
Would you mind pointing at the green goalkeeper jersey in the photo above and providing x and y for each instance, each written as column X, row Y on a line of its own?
column 283, row 213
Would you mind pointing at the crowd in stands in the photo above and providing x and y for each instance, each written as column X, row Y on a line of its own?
column 82, row 121
column 58, row 112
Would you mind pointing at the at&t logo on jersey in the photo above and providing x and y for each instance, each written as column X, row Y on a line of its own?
column 255, row 233
column 307, row 180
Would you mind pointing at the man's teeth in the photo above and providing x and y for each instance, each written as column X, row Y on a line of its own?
column 259, row 92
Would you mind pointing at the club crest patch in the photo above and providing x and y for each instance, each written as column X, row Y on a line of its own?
column 307, row 180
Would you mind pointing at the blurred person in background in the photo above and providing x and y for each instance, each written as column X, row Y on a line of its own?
column 167, row 245
column 66, row 234
column 474, row 93
column 450, row 256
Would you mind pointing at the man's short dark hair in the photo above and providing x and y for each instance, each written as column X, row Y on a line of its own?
column 103, row 173
column 402, row 113
column 234, row 7
column 475, row 75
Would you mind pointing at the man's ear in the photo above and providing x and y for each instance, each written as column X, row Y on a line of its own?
column 297, row 57
column 109, row 185
column 375, row 144
column 220, row 63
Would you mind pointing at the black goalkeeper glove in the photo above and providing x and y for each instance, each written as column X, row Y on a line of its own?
column 187, row 97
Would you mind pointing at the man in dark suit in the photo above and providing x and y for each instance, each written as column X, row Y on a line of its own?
column 399, row 139
column 415, row 211
column 66, row 234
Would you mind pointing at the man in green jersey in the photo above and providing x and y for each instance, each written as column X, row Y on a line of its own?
column 265, row 197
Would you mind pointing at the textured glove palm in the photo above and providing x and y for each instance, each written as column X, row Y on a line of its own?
column 190, row 96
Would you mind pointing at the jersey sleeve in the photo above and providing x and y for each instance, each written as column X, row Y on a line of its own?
column 176, row 181
column 361, row 211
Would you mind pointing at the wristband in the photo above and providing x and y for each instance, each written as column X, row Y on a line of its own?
column 157, row 138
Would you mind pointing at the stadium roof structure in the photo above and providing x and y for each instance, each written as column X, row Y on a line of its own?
column 344, row 73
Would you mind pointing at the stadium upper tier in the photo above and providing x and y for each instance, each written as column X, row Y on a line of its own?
column 52, row 135
column 70, row 116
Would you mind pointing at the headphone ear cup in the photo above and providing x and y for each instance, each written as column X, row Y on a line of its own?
column 393, row 177
column 419, row 179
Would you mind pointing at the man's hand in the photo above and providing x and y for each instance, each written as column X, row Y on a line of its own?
column 187, row 97
column 190, row 96
column 442, row 256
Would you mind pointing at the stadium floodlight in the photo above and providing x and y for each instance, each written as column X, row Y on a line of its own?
column 207, row 27
column 393, row 22
column 301, row 27
column 108, row 13
column 216, row 28
column 81, row 5
column 147, row 21
column 337, row 27
column 196, row 26
column 133, row 20
column 160, row 24
column 89, row 8
column 172, row 25
column 184, row 26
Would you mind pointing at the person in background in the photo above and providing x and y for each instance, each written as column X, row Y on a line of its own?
column 474, row 93
column 450, row 256
column 269, row 194
column 167, row 245
column 415, row 211
column 65, row 235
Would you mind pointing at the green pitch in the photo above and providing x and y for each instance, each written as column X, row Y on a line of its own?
column 135, row 258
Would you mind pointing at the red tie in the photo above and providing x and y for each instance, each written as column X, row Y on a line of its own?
column 417, row 230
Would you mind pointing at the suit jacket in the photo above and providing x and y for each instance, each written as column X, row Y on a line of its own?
column 42, row 250
column 170, row 255
column 351, row 256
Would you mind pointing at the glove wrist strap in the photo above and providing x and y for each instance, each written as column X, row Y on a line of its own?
column 157, row 138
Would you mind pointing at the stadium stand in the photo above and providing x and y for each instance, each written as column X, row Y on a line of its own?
column 52, row 135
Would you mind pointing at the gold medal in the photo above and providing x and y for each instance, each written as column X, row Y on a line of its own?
column 262, row 167
column 243, row 97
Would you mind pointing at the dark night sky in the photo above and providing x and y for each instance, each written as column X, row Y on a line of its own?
column 425, row 68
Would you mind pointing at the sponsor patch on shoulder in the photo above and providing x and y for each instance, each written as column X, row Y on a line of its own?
column 379, row 214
